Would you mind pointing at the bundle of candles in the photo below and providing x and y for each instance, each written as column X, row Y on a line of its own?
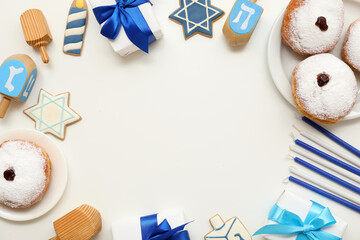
column 334, row 163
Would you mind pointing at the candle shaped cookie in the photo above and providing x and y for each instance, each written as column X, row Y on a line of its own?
column 17, row 77
column 241, row 22
column 36, row 31
column 82, row 223
column 75, row 28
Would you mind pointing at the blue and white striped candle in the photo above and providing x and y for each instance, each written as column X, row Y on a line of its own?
column 75, row 28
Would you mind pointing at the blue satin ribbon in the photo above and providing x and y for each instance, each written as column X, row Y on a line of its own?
column 291, row 224
column 151, row 230
column 127, row 14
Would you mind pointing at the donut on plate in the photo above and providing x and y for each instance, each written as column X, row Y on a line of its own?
column 324, row 88
column 25, row 170
column 351, row 49
column 312, row 26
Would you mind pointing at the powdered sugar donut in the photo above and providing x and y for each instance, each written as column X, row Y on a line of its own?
column 351, row 49
column 313, row 26
column 25, row 173
column 324, row 88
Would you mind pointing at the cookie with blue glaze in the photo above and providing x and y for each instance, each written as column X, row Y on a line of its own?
column 75, row 28
column 197, row 17
column 232, row 229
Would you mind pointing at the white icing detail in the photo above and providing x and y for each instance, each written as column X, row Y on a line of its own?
column 77, row 16
column 72, row 46
column 74, row 31
column 13, row 72
column 29, row 86
column 251, row 12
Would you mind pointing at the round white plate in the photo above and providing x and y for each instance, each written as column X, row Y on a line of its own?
column 58, row 175
column 282, row 60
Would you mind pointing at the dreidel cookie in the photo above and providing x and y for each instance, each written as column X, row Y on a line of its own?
column 17, row 77
column 232, row 229
column 82, row 223
column 241, row 22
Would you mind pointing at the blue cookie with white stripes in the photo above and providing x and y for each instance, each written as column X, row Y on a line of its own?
column 196, row 16
column 75, row 28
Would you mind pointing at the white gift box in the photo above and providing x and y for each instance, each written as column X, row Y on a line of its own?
column 301, row 207
column 130, row 228
column 122, row 44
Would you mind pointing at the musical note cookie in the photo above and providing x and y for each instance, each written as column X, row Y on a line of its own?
column 17, row 77
column 52, row 114
column 196, row 16
column 75, row 28
column 241, row 22
column 232, row 229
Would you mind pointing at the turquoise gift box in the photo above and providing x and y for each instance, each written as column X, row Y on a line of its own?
column 309, row 212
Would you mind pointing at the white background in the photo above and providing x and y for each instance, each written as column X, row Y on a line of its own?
column 194, row 125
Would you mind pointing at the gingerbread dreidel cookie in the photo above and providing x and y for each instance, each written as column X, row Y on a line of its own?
column 82, row 223
column 241, row 22
column 75, row 28
column 36, row 31
column 52, row 113
column 17, row 77
column 232, row 229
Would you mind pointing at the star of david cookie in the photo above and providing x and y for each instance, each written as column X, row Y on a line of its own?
column 52, row 114
column 196, row 16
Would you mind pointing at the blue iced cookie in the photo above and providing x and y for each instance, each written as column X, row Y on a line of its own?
column 196, row 16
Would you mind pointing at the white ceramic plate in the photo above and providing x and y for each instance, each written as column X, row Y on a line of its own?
column 282, row 60
column 58, row 175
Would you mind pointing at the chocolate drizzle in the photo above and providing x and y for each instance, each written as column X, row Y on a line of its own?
column 321, row 23
column 323, row 79
column 9, row 175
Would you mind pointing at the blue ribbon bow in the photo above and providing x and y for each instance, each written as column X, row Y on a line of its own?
column 150, row 230
column 291, row 224
column 127, row 14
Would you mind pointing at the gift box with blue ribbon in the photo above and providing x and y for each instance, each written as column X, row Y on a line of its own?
column 166, row 226
column 294, row 218
column 130, row 25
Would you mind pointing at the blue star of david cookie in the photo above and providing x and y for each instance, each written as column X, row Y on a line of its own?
column 196, row 16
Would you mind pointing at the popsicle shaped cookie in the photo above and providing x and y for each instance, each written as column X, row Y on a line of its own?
column 242, row 21
column 232, row 229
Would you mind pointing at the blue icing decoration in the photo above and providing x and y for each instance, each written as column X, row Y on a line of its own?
column 76, row 10
column 29, row 86
column 76, row 23
column 244, row 16
column 73, row 39
column 13, row 75
column 75, row 51
column 60, row 103
column 196, row 16
column 227, row 233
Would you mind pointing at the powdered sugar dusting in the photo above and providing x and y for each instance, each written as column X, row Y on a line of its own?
column 333, row 100
column 352, row 46
column 306, row 36
column 28, row 163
